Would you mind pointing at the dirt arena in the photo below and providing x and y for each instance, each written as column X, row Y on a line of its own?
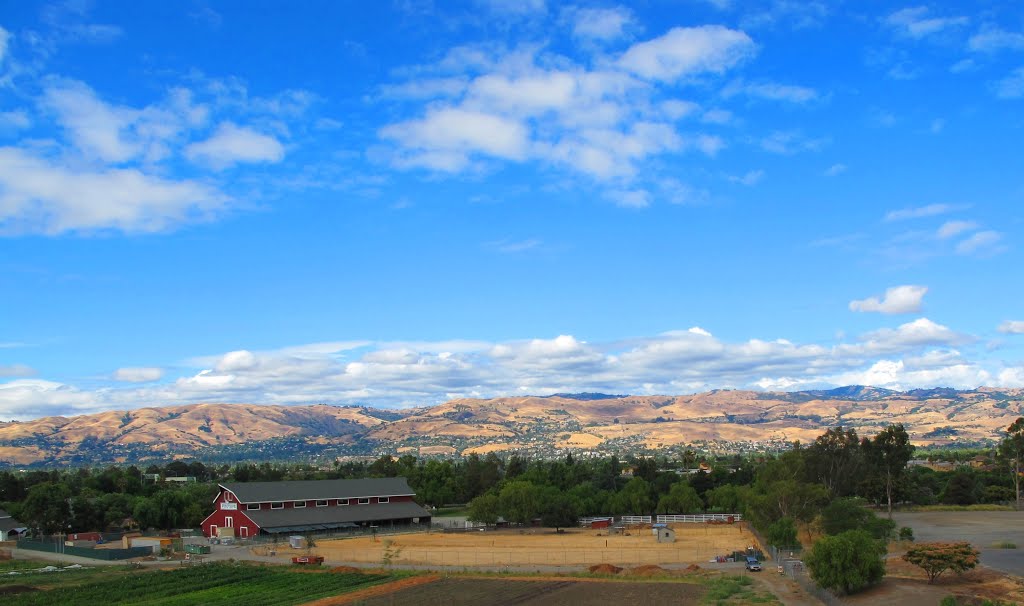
column 695, row 543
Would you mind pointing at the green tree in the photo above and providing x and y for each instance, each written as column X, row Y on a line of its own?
column 634, row 498
column 559, row 510
column 847, row 562
column 484, row 509
column 681, row 498
column 850, row 514
column 519, row 502
column 47, row 507
column 937, row 558
column 961, row 489
column 727, row 497
column 782, row 533
column 889, row 454
column 1011, row 452
column 834, row 461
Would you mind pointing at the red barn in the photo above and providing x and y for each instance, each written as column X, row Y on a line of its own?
column 246, row 509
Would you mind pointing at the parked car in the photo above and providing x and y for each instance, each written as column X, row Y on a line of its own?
column 752, row 564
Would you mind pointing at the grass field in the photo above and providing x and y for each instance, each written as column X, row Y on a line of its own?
column 695, row 543
column 210, row 585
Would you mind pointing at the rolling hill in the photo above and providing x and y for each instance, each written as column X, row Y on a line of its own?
column 721, row 420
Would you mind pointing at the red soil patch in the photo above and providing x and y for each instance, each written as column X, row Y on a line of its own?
column 372, row 592
column 346, row 569
column 647, row 570
column 605, row 569
column 693, row 567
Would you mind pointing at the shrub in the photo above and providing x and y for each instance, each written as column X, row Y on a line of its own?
column 847, row 562
column 937, row 558
column 906, row 533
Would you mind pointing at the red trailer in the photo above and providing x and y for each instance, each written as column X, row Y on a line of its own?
column 315, row 560
column 601, row 523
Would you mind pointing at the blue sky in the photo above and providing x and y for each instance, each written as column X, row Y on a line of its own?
column 399, row 203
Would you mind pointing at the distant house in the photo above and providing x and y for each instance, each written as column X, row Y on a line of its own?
column 10, row 529
column 246, row 509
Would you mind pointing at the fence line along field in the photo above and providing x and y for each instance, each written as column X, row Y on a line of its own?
column 694, row 543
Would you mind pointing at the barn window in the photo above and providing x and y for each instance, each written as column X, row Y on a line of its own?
column 277, row 505
column 252, row 506
column 383, row 499
column 364, row 501
column 299, row 504
column 342, row 501
column 322, row 503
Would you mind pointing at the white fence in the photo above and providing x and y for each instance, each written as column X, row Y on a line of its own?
column 635, row 519
column 700, row 518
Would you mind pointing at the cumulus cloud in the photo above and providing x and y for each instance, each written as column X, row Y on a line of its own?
column 835, row 170
column 138, row 374
column 1012, row 86
column 232, row 144
column 688, row 51
column 993, row 39
column 116, row 167
column 917, row 23
column 1012, row 327
column 916, row 353
column 599, row 23
column 897, row 300
column 40, row 195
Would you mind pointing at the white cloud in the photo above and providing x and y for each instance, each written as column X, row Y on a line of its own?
column 919, row 212
column 232, row 144
column 750, row 178
column 835, row 170
column 599, row 23
column 40, row 196
column 1012, row 86
column 993, row 39
column 917, row 353
column 1012, row 327
column 789, row 142
column 138, row 374
column 915, row 22
column 16, row 370
column 897, row 300
column 981, row 243
column 955, row 228
column 445, row 138
column 17, row 119
column 688, row 51
column 5, row 37
column 772, row 91
column 517, row 8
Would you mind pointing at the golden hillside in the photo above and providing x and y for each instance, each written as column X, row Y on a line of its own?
column 721, row 419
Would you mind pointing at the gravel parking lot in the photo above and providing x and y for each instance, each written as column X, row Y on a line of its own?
column 983, row 529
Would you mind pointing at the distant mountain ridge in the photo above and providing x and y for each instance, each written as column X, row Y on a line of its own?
column 722, row 420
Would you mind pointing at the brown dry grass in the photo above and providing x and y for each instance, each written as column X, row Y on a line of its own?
column 575, row 547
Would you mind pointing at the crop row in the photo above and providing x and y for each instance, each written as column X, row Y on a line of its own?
column 211, row 584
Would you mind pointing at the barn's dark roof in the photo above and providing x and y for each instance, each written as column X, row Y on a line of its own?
column 334, row 516
column 10, row 523
column 311, row 490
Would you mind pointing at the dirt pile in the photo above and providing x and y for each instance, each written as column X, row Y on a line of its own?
column 647, row 570
column 605, row 569
column 693, row 568
column 346, row 569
